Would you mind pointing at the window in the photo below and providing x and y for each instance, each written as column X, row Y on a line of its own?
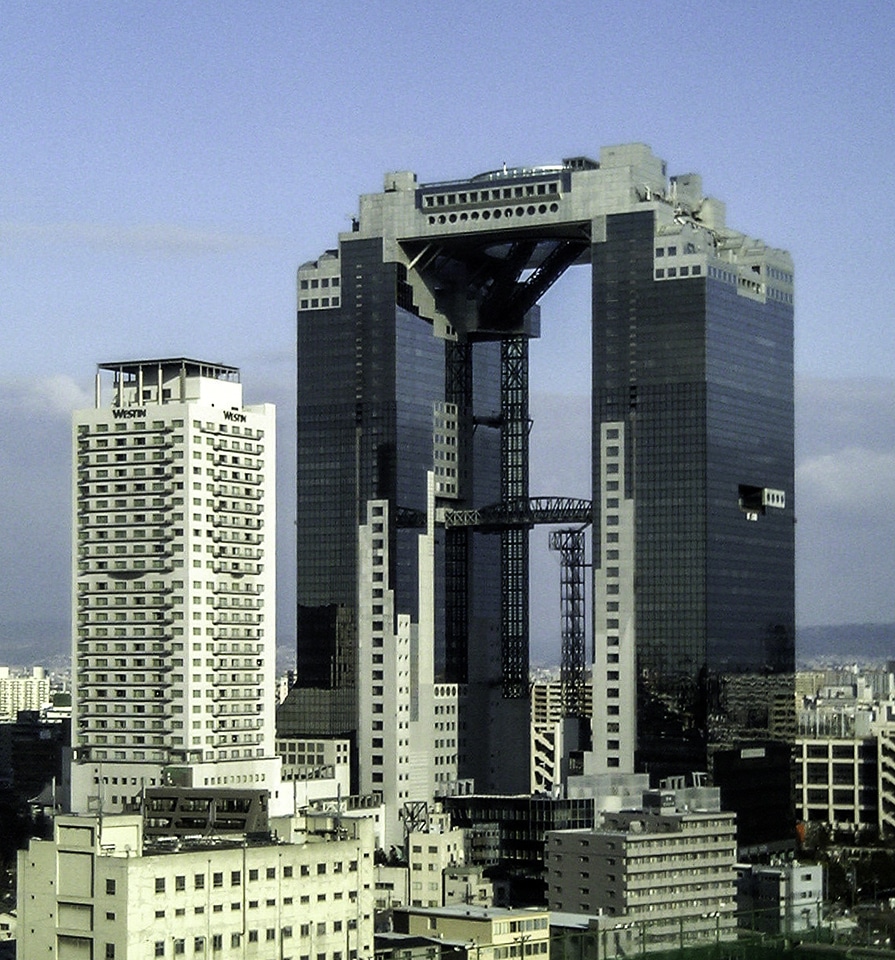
column 179, row 947
column 217, row 941
column 287, row 871
column 110, row 888
column 110, row 951
column 199, row 881
column 159, row 948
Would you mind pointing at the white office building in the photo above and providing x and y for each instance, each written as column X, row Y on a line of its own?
column 780, row 898
column 99, row 889
column 173, row 618
column 669, row 863
column 407, row 722
column 20, row 690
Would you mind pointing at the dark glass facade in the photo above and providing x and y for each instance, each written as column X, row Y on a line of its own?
column 508, row 836
column 369, row 375
column 702, row 377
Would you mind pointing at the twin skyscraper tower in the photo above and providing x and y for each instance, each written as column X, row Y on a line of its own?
column 413, row 501
column 414, row 512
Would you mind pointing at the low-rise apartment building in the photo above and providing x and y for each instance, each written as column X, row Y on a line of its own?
column 97, row 891
column 660, row 866
column 488, row 933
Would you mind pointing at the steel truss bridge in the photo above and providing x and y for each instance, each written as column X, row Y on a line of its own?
column 518, row 516
column 524, row 513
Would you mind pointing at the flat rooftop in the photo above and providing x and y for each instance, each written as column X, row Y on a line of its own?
column 190, row 367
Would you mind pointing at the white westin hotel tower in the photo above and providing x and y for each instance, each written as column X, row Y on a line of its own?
column 173, row 620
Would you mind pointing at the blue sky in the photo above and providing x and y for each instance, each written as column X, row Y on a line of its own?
column 167, row 166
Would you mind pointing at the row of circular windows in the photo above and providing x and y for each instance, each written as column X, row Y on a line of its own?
column 529, row 211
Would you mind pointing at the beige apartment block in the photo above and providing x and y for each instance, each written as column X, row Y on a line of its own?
column 495, row 933
column 173, row 585
column 97, row 892
column 22, row 691
column 660, row 866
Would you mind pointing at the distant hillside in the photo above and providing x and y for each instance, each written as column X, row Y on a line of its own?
column 27, row 642
column 46, row 642
column 862, row 642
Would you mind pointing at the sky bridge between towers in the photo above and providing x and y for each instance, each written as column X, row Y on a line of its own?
column 522, row 513
column 474, row 258
column 413, row 384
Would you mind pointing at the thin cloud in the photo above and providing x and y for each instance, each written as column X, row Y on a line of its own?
column 845, row 464
column 854, row 482
column 143, row 238
column 832, row 415
column 54, row 396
